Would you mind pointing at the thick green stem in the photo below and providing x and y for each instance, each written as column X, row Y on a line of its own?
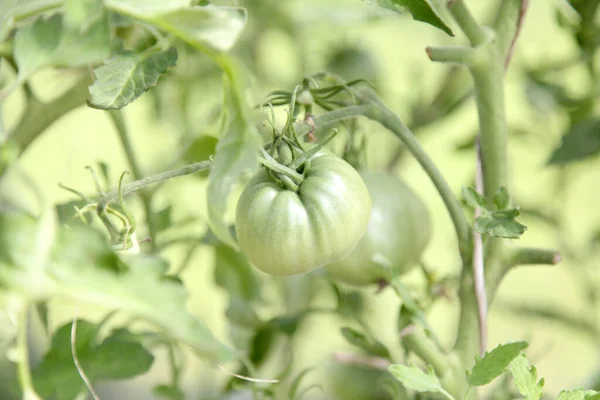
column 39, row 116
column 417, row 341
column 119, row 122
column 463, row 17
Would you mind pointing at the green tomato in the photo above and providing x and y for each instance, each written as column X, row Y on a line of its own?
column 398, row 233
column 283, row 232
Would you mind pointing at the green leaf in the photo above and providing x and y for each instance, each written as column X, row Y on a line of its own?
column 114, row 358
column 162, row 218
column 293, row 392
column 592, row 395
column 214, row 28
column 81, row 265
column 80, row 15
column 494, row 363
column 47, row 43
column 169, row 392
column 237, row 152
column 200, row 149
column 578, row 394
column 414, row 378
column 472, row 198
column 125, row 77
column 500, row 224
column 234, row 273
column 14, row 10
column 582, row 141
column 421, row 10
column 369, row 345
column 525, row 378
column 501, row 198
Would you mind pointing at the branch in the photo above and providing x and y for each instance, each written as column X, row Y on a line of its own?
column 142, row 183
column 478, row 263
column 119, row 122
column 453, row 54
column 415, row 339
column 532, row 256
column 38, row 116
column 508, row 24
column 378, row 112
column 467, row 22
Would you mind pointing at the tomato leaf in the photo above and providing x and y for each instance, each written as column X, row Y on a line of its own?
column 201, row 148
column 162, row 218
column 501, row 198
column 234, row 273
column 494, row 363
column 80, row 15
column 578, row 394
column 125, row 77
column 500, row 224
column 582, row 141
column 47, row 43
column 421, row 10
column 237, row 152
column 413, row 378
column 13, row 10
column 472, row 198
column 78, row 263
column 114, row 358
column 525, row 378
column 214, row 28
column 169, row 392
column 369, row 345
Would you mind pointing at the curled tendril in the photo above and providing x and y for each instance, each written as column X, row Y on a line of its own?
column 130, row 224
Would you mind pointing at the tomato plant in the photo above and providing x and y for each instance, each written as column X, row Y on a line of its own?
column 160, row 221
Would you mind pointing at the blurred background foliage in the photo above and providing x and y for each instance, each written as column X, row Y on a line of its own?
column 551, row 97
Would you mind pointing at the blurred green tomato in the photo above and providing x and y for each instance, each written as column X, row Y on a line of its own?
column 398, row 232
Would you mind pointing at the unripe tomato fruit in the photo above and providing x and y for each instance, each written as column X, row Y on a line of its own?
column 398, row 230
column 283, row 232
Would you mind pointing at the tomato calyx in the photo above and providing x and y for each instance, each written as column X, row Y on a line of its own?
column 287, row 161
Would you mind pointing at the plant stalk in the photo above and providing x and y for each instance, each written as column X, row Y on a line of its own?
column 146, row 197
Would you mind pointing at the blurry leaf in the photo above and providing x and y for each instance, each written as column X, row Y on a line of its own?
column 261, row 345
column 578, row 394
column 592, row 395
column 241, row 313
column 581, row 142
column 421, row 10
column 168, row 392
column 207, row 27
column 525, row 378
column 472, row 198
column 349, row 303
column 67, row 214
column 82, row 266
column 13, row 10
column 47, row 43
column 234, row 273
column 287, row 324
column 413, row 378
column 201, row 149
column 236, row 153
column 501, row 198
column 42, row 310
column 494, row 363
column 57, row 375
column 293, row 393
column 162, row 218
column 369, row 345
column 500, row 224
column 125, row 77
column 80, row 15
